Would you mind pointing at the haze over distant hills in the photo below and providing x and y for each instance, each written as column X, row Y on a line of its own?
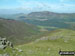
column 46, row 18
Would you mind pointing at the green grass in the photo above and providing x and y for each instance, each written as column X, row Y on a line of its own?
column 47, row 27
column 50, row 28
column 54, row 41
column 51, row 46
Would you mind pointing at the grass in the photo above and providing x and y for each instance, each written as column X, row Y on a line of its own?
column 46, row 48
column 47, row 27
column 62, row 39
column 50, row 47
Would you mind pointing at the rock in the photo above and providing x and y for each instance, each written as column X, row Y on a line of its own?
column 8, row 42
column 1, row 55
column 6, row 54
column 3, row 46
column 20, row 50
column 11, row 44
column 0, row 42
column 4, row 43
column 4, row 39
column 0, row 39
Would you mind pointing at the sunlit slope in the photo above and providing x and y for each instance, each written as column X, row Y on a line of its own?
column 50, row 44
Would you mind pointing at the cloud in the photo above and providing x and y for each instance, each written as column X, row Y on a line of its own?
column 69, row 5
column 61, row 1
column 31, row 5
column 44, row 6
column 70, row 1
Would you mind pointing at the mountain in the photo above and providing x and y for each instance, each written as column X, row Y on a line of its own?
column 51, row 19
column 17, row 31
column 46, row 20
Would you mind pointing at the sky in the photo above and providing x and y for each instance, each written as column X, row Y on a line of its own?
column 60, row 6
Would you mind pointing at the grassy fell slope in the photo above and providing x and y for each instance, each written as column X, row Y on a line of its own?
column 17, row 31
column 50, row 44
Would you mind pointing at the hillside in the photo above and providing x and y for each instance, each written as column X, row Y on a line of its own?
column 17, row 31
column 50, row 44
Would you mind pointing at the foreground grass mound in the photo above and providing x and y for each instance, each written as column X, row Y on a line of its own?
column 10, row 52
column 50, row 44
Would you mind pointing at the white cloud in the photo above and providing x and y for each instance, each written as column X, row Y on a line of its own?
column 39, row 6
column 61, row 1
column 32, row 5
column 69, row 5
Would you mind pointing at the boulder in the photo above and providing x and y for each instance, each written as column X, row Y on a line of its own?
column 6, row 54
column 1, row 55
column 4, row 43
column 20, row 50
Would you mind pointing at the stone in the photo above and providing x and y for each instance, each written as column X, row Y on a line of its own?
column 20, row 50
column 1, row 55
column 8, row 42
column 2, row 46
column 0, row 39
column 11, row 44
column 6, row 54
column 4, row 39
column 4, row 43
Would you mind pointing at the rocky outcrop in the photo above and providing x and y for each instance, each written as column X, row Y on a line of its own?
column 4, row 43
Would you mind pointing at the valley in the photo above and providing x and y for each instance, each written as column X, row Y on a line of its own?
column 39, row 33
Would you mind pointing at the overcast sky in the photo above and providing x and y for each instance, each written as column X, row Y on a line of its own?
column 67, row 6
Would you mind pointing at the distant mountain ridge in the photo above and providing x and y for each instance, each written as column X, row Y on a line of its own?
column 46, row 18
column 49, row 14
